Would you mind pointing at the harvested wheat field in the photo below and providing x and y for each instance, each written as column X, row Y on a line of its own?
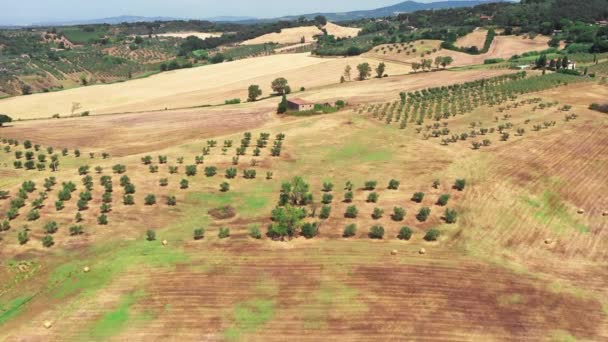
column 341, row 31
column 207, row 85
column 295, row 34
column 502, row 47
column 287, row 36
column 486, row 278
column 201, row 35
column 476, row 38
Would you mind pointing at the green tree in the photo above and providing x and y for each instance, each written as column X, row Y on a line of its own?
column 443, row 200
column 286, row 221
column 5, row 119
column 150, row 199
column 398, row 214
column 325, row 212
column 199, row 233
column 48, row 241
column 254, row 92
column 350, row 230
column 150, row 235
column 460, row 184
column 423, row 214
column 224, row 233
column 254, row 232
column 364, row 71
column 310, row 230
column 51, row 227
column 450, row 216
column 23, row 237
column 279, row 85
column 418, row 197
column 405, row 233
column 351, row 212
column 376, row 232
column 432, row 235
column 282, row 108
column 380, row 70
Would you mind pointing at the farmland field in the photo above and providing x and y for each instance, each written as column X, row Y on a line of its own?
column 251, row 191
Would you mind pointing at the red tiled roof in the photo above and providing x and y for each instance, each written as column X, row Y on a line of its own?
column 299, row 101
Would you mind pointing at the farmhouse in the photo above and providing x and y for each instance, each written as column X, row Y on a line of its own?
column 300, row 104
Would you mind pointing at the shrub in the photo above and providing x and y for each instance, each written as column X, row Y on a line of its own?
column 199, row 233
column 398, row 214
column 350, row 230
column 33, row 215
column 184, row 184
column 443, row 200
column 393, row 184
column 328, row 186
column 5, row 225
column 171, row 201
column 327, row 198
column 231, row 173
column 460, row 184
column 405, row 233
column 372, row 197
column 102, row 220
column 150, row 235
column 105, row 208
column 377, row 214
column 191, row 170
column 423, row 214
column 23, row 237
column 348, row 197
column 450, row 216
column 150, row 200
column 118, row 168
column 325, row 212
column 310, row 230
column 224, row 187
column 128, row 200
column 78, row 217
column 418, row 197
column 432, row 235
column 51, row 227
column 76, row 230
column 59, row 205
column 351, row 212
column 376, row 232
column 370, row 185
column 129, row 189
column 48, row 241
column 254, row 232
column 210, row 171
column 224, row 233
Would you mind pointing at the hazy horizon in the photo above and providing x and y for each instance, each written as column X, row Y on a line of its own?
column 37, row 11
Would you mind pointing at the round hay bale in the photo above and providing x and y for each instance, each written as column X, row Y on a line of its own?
column 548, row 241
column 47, row 324
column 581, row 211
column 605, row 213
column 394, row 252
column 165, row 242
column 422, row 251
column 86, row 269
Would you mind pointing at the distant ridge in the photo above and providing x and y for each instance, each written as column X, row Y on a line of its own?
column 403, row 7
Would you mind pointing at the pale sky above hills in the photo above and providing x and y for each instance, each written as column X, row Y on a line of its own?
column 34, row 11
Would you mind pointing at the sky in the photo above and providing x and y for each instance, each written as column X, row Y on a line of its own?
column 23, row 12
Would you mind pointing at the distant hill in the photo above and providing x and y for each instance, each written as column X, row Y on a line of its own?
column 403, row 7
column 136, row 19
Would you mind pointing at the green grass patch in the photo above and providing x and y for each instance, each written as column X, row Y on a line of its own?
column 553, row 212
column 356, row 151
column 250, row 316
column 562, row 336
column 248, row 203
column 71, row 280
column 13, row 308
column 113, row 322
